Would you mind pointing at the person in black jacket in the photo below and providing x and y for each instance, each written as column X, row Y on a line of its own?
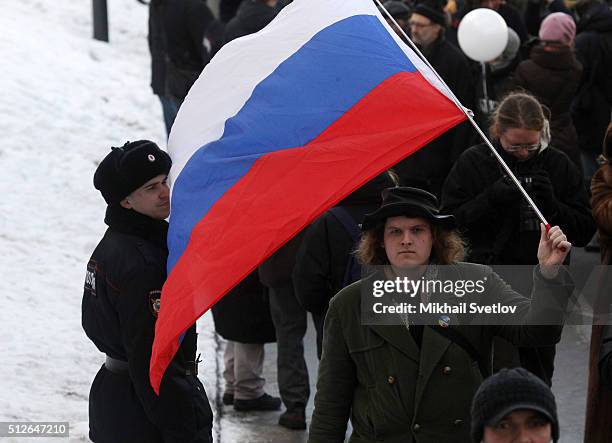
column 243, row 318
column 290, row 323
column 252, row 16
column 497, row 222
column 400, row 12
column 593, row 103
column 538, row 10
column 490, row 209
column 324, row 259
column 157, row 47
column 185, row 25
column 121, row 301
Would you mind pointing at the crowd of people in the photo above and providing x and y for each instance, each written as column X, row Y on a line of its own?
column 451, row 207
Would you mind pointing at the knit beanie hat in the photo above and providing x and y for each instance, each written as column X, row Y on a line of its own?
column 127, row 168
column 507, row 391
column 558, row 27
column 432, row 10
column 397, row 9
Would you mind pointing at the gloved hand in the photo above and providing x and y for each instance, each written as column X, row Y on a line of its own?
column 503, row 192
column 544, row 194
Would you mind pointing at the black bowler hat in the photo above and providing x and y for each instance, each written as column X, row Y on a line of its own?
column 409, row 202
column 127, row 168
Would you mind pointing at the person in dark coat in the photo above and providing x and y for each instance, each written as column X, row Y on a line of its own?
column 400, row 12
column 409, row 382
column 491, row 212
column 157, row 47
column 427, row 168
column 290, row 323
column 490, row 209
column 593, row 103
column 552, row 74
column 185, row 24
column 252, row 16
column 598, row 426
column 227, row 9
column 321, row 265
column 243, row 318
column 538, row 10
column 121, row 301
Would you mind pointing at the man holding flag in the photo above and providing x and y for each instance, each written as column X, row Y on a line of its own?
column 314, row 105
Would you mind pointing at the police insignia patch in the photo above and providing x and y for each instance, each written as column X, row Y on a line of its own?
column 154, row 302
column 90, row 278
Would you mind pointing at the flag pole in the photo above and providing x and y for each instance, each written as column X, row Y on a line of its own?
column 470, row 116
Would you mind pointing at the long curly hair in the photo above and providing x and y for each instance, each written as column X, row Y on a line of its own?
column 448, row 246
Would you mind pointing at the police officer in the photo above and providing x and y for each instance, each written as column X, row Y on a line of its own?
column 120, row 305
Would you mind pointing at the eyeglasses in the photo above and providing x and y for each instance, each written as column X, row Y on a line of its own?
column 530, row 148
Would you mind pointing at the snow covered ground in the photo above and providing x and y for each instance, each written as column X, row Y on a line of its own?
column 65, row 100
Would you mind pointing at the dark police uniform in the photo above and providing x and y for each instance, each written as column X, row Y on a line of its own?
column 120, row 304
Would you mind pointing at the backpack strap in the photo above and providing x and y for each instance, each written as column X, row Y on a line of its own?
column 349, row 223
column 456, row 337
column 352, row 271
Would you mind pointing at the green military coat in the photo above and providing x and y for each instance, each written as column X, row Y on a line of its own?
column 392, row 391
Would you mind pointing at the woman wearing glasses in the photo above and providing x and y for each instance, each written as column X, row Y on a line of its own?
column 499, row 225
column 491, row 211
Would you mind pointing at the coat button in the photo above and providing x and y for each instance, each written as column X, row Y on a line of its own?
column 391, row 379
column 447, row 370
column 416, row 427
column 458, row 422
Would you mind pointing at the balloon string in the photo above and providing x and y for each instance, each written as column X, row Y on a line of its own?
column 469, row 114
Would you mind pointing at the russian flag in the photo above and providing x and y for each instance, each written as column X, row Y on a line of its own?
column 280, row 126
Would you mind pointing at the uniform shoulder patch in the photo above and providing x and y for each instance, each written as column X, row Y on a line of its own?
column 154, row 302
column 90, row 278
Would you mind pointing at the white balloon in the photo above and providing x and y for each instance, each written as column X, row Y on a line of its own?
column 483, row 34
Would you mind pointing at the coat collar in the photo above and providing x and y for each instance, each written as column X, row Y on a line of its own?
column 128, row 221
column 559, row 59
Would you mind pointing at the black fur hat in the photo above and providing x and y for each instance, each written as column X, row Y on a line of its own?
column 127, row 168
